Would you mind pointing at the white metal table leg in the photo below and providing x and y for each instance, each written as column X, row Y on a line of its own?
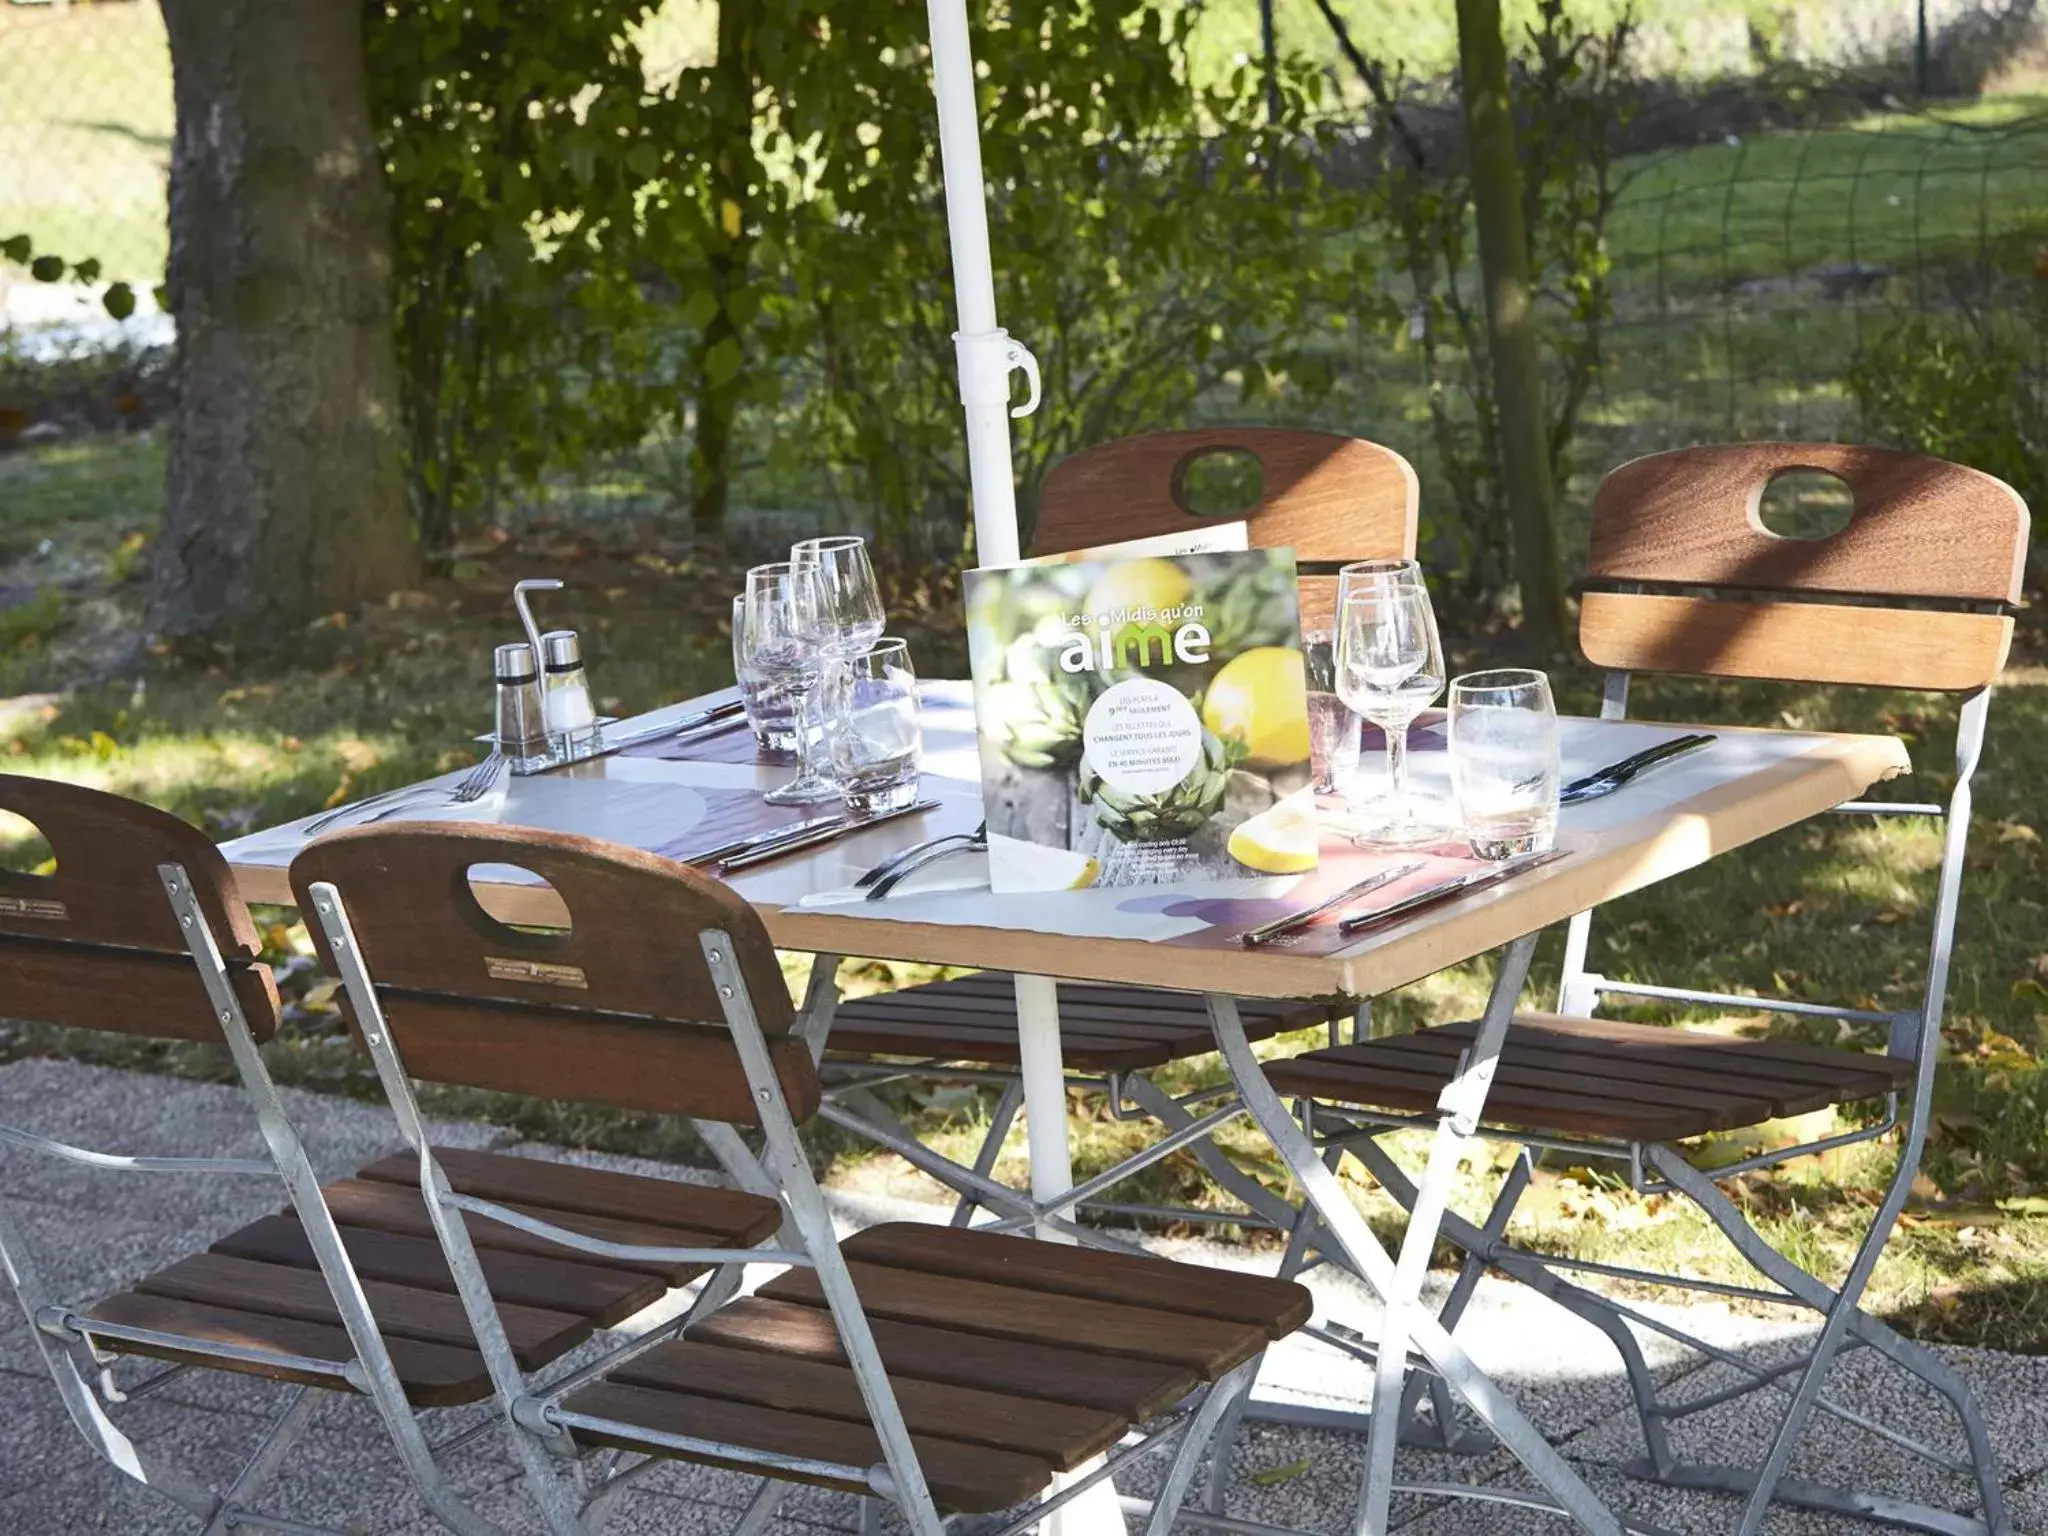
column 1371, row 1262
column 1458, row 1108
column 1042, row 1067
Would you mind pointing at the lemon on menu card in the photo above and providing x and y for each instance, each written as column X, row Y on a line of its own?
column 1142, row 714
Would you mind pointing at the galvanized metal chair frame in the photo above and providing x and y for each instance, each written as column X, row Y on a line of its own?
column 70, row 1342
column 1976, row 623
column 577, row 1493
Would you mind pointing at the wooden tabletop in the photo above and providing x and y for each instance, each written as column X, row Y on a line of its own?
column 1747, row 784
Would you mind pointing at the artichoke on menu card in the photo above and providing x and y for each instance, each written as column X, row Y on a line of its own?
column 1170, row 815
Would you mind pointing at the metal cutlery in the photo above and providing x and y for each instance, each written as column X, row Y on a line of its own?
column 1458, row 885
column 762, row 853
column 931, row 853
column 1605, row 781
column 724, row 716
column 752, row 840
column 888, row 866
column 467, row 790
column 1266, row 932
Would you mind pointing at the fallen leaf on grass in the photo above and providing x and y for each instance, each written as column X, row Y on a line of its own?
column 2017, row 832
column 1273, row 1476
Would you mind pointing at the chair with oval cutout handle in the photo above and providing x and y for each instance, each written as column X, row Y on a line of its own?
column 1330, row 498
column 139, row 929
column 943, row 1370
column 1915, row 591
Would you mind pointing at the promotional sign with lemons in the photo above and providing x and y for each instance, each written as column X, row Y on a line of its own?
column 1143, row 718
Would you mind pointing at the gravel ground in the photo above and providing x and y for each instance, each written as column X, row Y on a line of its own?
column 91, row 1232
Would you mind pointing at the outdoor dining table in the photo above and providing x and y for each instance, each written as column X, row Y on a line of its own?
column 1746, row 784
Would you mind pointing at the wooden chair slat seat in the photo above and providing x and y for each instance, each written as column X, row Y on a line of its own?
column 1128, row 1279
column 1606, row 1078
column 537, row 1335
column 973, row 1019
column 434, row 1376
column 994, row 1342
column 1050, row 1300
column 1136, row 1390
column 1057, row 1433
column 530, row 1181
column 552, row 1297
column 971, row 1479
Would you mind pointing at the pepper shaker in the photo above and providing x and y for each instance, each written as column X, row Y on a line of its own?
column 522, row 717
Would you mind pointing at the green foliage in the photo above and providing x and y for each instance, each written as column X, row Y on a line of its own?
column 119, row 299
column 528, row 162
column 579, row 252
column 1152, row 240
column 1567, row 99
column 1966, row 387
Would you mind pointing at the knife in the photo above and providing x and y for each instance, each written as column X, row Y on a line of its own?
column 1605, row 781
column 716, row 714
column 754, row 840
column 1251, row 938
column 775, row 849
column 1474, row 880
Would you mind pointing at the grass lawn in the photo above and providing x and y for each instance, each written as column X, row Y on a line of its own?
column 1832, row 909
column 86, row 118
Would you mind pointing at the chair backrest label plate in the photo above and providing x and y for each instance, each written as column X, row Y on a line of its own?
column 502, row 969
column 34, row 906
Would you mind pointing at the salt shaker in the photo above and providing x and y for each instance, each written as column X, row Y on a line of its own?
column 522, row 720
column 571, row 720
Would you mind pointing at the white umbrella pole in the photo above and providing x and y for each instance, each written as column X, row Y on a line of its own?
column 985, row 350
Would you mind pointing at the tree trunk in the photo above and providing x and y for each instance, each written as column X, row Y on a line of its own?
column 720, row 351
column 285, row 496
column 1514, row 344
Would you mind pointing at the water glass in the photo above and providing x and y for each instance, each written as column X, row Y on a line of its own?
column 770, row 709
column 1504, row 761
column 786, row 627
column 872, row 735
column 1332, row 728
column 1390, row 667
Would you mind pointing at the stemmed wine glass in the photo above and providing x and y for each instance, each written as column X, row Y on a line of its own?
column 788, row 627
column 847, row 588
column 1390, row 667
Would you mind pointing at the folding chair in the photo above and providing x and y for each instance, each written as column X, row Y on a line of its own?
column 140, row 930
column 935, row 1368
column 1332, row 499
column 1914, row 592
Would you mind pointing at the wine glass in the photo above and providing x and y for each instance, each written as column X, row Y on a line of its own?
column 852, row 599
column 787, row 628
column 1390, row 667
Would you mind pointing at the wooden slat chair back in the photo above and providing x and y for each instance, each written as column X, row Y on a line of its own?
column 1330, row 498
column 966, row 1368
column 620, row 1008
column 139, row 929
column 95, row 944
column 1913, row 592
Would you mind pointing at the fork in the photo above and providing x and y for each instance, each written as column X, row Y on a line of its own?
column 471, row 787
column 938, row 848
column 917, row 851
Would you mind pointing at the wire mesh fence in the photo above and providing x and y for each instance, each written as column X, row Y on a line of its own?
column 85, row 132
column 1749, row 273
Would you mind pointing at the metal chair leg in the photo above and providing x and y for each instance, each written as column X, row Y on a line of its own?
column 999, row 1122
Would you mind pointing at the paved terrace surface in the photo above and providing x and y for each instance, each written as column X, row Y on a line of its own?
column 94, row 1232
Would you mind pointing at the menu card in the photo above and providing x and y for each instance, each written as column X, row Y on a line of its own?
column 1142, row 716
